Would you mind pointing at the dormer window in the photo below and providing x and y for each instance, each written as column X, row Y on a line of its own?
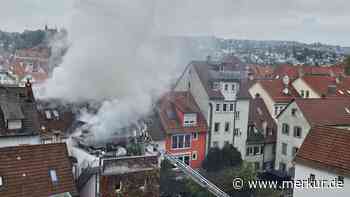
column 53, row 176
column 190, row 119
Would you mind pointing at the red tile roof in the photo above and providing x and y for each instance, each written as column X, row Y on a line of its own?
column 261, row 71
column 320, row 85
column 326, row 148
column 26, row 171
column 258, row 114
column 185, row 103
column 329, row 111
column 274, row 87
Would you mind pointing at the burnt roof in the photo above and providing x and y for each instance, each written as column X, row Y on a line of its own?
column 26, row 170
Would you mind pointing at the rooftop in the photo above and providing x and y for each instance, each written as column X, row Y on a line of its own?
column 326, row 148
column 24, row 177
column 274, row 87
column 321, row 84
column 329, row 111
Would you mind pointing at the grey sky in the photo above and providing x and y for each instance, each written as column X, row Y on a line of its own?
column 301, row 20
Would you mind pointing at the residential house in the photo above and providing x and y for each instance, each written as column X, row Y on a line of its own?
column 276, row 93
column 296, row 120
column 36, row 170
column 324, row 155
column 215, row 87
column 183, row 126
column 318, row 86
column 261, row 136
column 121, row 176
column 19, row 123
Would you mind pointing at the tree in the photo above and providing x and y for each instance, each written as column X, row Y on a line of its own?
column 231, row 156
column 213, row 160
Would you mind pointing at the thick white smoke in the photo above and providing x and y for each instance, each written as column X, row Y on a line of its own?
column 114, row 58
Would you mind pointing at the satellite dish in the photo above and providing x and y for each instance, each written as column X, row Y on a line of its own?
column 286, row 80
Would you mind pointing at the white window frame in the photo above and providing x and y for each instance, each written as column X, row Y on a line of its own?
column 184, row 141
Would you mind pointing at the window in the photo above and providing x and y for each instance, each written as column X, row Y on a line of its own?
column 224, row 107
column 261, row 150
column 295, row 150
column 184, row 158
column 181, row 141
column 307, row 94
column 297, row 132
column 284, row 148
column 256, row 150
column 282, row 167
column 227, row 127
column 237, row 132
column 53, row 176
column 340, row 179
column 226, row 87
column 237, row 115
column 1, row 181
column 194, row 155
column 294, row 111
column 249, row 151
column 256, row 165
column 118, row 187
column 285, row 129
column 190, row 119
column 195, row 136
column 215, row 143
column 302, row 94
column 231, row 107
column 233, row 87
column 226, row 143
column 276, row 110
column 217, row 127
column 217, row 107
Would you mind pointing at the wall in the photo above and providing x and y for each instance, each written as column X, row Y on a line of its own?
column 299, row 85
column 89, row 188
column 242, row 124
column 222, row 117
column 258, row 89
column 290, row 140
column 196, row 145
column 303, row 172
column 19, row 140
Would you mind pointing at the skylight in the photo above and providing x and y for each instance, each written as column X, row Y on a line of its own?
column 53, row 176
column 347, row 110
column 340, row 91
column 1, row 181
column 48, row 114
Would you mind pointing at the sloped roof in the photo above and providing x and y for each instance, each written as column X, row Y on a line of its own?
column 274, row 87
column 184, row 102
column 16, row 104
column 326, row 148
column 258, row 114
column 26, row 170
column 320, row 85
column 328, row 111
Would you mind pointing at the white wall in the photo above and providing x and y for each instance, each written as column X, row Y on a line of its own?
column 23, row 140
column 258, row 89
column 240, row 141
column 290, row 140
column 303, row 172
column 300, row 85
column 89, row 189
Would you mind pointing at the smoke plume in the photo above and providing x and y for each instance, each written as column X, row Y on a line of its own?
column 114, row 58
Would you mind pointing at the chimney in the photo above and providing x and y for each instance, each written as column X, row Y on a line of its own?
column 208, row 59
column 300, row 71
column 29, row 91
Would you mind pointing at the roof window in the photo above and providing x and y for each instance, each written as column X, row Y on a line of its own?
column 53, row 176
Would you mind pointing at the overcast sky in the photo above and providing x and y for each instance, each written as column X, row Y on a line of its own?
column 300, row 20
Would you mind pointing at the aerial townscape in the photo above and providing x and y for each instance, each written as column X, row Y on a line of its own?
column 106, row 107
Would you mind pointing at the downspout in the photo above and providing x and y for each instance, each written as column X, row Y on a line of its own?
column 234, row 122
column 210, row 124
